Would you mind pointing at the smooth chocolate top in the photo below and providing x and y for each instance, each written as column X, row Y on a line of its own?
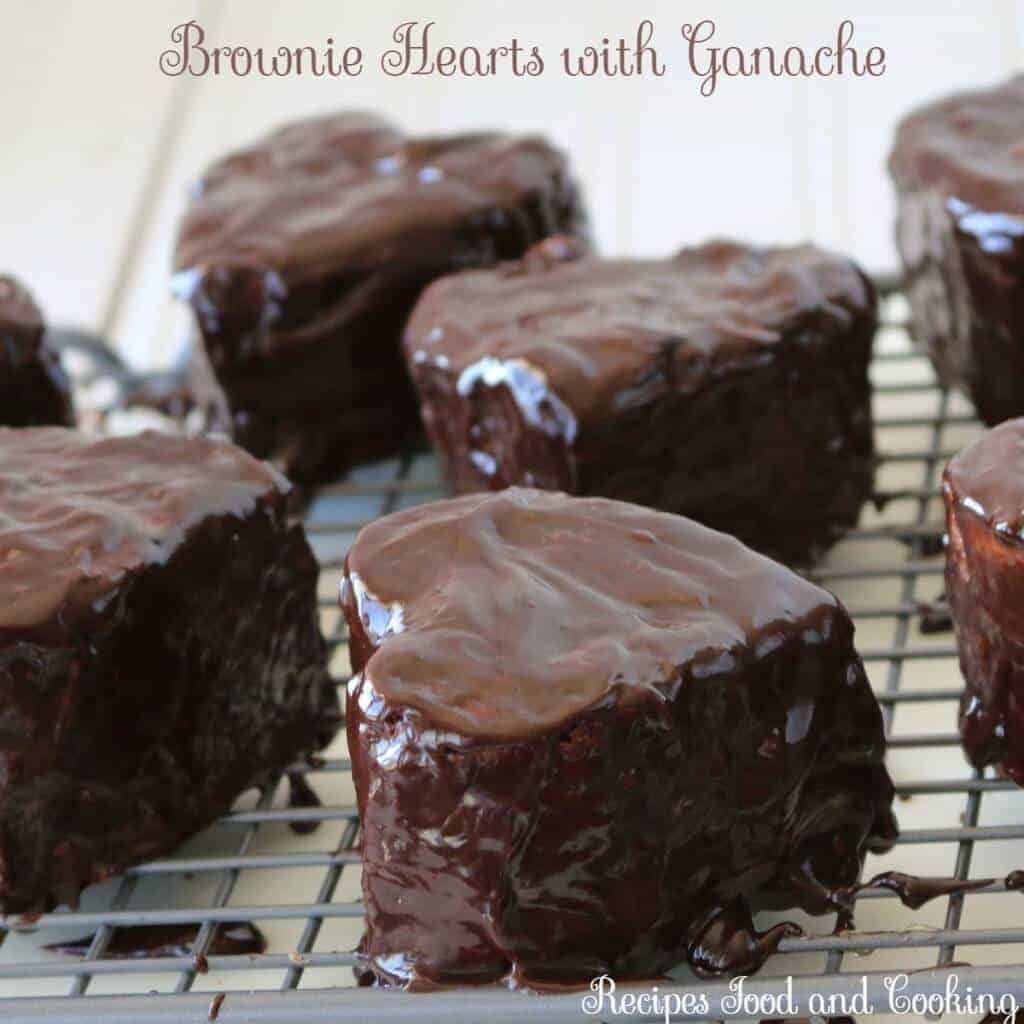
column 968, row 146
column 504, row 615
column 78, row 513
column 605, row 335
column 351, row 191
column 18, row 311
column 988, row 478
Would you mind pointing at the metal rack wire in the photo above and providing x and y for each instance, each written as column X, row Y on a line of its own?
column 303, row 891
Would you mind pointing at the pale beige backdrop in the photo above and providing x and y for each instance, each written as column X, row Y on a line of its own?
column 97, row 145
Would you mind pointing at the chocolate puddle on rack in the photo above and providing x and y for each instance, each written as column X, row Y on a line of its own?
column 730, row 943
column 151, row 941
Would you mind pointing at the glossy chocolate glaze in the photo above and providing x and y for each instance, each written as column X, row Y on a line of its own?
column 969, row 145
column 582, row 731
column 728, row 383
column 983, row 490
column 81, row 513
column 608, row 599
column 303, row 254
column 159, row 649
column 731, row 945
column 34, row 390
column 958, row 166
column 987, row 478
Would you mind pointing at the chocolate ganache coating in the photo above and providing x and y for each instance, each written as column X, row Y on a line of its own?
column 303, row 254
column 983, row 488
column 34, row 390
column 159, row 649
column 958, row 167
column 728, row 383
column 583, row 731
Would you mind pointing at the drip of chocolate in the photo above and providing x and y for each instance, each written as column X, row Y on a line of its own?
column 881, row 499
column 731, row 945
column 302, row 794
column 935, row 616
column 844, row 921
column 913, row 892
column 930, row 544
column 233, row 938
column 215, row 1004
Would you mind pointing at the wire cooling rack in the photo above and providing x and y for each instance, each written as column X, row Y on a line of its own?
column 302, row 890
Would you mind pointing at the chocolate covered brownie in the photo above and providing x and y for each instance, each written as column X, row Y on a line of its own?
column 728, row 383
column 34, row 390
column 589, row 737
column 159, row 649
column 983, row 488
column 958, row 167
column 303, row 254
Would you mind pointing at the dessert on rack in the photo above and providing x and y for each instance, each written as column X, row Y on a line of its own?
column 302, row 255
column 159, row 650
column 958, row 167
column 728, row 383
column 588, row 737
column 983, row 489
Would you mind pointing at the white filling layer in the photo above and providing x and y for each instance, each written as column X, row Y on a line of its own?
column 540, row 406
